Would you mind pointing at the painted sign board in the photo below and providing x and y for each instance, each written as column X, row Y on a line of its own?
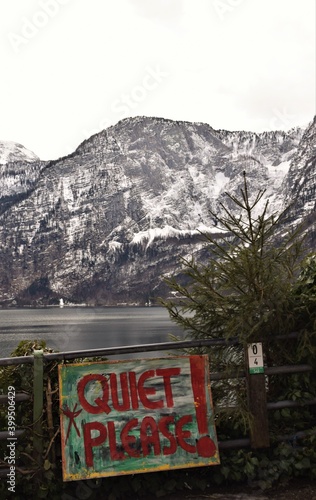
column 134, row 416
column 255, row 358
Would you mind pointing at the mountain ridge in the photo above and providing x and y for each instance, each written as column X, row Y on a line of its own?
column 105, row 224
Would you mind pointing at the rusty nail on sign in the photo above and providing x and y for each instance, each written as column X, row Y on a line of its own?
column 134, row 416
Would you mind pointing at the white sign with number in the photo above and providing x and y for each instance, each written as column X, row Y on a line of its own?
column 255, row 358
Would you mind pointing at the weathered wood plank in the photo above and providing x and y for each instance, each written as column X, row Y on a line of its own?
column 257, row 405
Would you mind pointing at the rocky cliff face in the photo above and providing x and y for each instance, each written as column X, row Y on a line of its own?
column 299, row 185
column 19, row 171
column 104, row 224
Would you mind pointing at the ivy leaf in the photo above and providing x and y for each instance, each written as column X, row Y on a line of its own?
column 47, row 464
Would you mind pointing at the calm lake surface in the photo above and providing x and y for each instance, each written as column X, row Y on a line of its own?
column 76, row 328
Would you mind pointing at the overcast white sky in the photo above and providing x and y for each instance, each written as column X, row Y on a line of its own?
column 73, row 67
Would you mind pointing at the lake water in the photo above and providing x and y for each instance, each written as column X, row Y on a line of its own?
column 76, row 328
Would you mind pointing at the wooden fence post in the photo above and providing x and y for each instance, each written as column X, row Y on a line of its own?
column 38, row 386
column 257, row 397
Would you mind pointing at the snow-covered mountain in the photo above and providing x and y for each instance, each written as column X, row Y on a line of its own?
column 106, row 223
column 19, row 170
column 12, row 151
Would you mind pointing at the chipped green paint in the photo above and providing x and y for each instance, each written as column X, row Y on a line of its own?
column 127, row 417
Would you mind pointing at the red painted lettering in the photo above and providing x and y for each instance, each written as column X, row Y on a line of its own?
column 182, row 434
column 101, row 403
column 125, row 405
column 152, row 439
column 167, row 373
column 129, row 442
column 163, row 426
column 144, row 391
column 133, row 389
column 116, row 454
column 90, row 442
